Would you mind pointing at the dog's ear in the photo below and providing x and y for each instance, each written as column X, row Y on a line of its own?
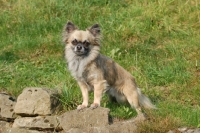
column 70, row 27
column 95, row 30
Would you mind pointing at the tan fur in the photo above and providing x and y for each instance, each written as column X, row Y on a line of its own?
column 96, row 72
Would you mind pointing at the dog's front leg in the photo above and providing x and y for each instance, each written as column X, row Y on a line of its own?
column 84, row 90
column 99, row 88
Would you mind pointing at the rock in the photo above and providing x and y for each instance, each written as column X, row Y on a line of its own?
column 185, row 130
column 18, row 130
column 139, row 118
column 197, row 130
column 75, row 130
column 121, row 127
column 38, row 123
column 94, row 121
column 7, row 104
column 36, row 101
column 4, row 126
column 170, row 131
column 88, row 130
column 85, row 118
column 174, row 131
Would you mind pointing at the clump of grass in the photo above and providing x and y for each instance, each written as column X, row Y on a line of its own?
column 68, row 97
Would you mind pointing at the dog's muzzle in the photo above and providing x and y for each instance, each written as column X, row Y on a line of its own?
column 80, row 49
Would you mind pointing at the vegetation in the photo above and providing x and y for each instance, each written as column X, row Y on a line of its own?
column 157, row 41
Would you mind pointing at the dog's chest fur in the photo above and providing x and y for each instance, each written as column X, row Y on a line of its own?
column 77, row 68
column 81, row 66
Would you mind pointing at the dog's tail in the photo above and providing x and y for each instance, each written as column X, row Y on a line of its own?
column 145, row 101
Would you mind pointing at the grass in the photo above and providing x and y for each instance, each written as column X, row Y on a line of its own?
column 156, row 41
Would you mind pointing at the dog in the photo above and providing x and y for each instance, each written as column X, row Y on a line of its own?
column 96, row 72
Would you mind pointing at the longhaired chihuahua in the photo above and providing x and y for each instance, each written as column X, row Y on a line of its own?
column 96, row 72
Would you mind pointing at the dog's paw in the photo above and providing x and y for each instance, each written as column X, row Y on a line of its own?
column 80, row 107
column 94, row 105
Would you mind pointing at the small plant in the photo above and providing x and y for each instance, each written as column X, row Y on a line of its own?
column 128, row 111
column 198, row 125
column 115, row 53
column 70, row 97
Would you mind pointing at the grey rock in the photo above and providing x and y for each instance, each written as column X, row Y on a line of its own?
column 170, row 131
column 38, row 123
column 75, row 130
column 85, row 118
column 95, row 121
column 7, row 104
column 190, row 131
column 36, row 101
column 4, row 126
column 182, row 129
column 121, row 127
column 18, row 130
column 185, row 130
column 197, row 130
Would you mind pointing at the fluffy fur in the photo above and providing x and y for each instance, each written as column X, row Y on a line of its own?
column 96, row 72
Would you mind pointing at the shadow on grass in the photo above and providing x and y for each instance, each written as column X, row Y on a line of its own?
column 8, row 56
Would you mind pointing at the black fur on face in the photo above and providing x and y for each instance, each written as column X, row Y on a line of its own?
column 80, row 48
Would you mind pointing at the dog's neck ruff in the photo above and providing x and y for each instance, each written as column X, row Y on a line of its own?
column 77, row 64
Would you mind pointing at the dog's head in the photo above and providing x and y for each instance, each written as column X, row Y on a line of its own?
column 79, row 41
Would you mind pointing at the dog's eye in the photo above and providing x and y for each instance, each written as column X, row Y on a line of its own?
column 86, row 43
column 74, row 42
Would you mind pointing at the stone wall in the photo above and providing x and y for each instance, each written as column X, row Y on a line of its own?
column 36, row 111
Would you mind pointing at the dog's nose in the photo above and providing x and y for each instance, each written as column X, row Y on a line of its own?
column 79, row 47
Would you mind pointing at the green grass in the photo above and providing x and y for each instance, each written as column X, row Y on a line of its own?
column 157, row 41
